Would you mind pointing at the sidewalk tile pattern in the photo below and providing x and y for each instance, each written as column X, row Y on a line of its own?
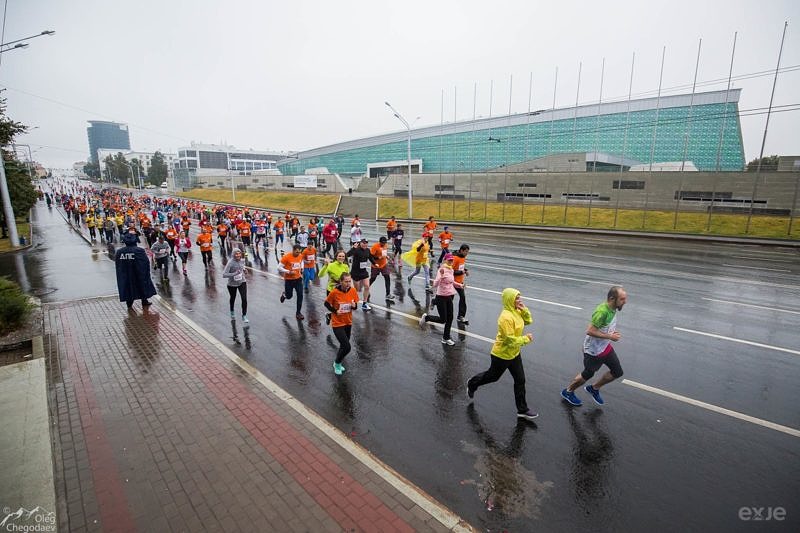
column 155, row 429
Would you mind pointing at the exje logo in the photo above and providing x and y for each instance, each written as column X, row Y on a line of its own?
column 762, row 514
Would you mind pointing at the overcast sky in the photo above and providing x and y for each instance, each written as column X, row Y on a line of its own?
column 303, row 74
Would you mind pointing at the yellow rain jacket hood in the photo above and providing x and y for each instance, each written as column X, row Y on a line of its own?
column 509, row 339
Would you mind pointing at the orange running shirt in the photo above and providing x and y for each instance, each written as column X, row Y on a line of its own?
column 444, row 239
column 205, row 241
column 294, row 265
column 458, row 264
column 379, row 254
column 344, row 302
column 309, row 257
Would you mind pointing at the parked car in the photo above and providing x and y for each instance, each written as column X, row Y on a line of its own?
column 164, row 185
column 150, row 186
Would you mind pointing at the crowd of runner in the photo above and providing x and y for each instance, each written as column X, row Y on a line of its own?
column 310, row 249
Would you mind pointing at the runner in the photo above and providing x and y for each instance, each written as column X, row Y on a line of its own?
column 506, row 351
column 172, row 239
column 430, row 228
column 361, row 268
column 291, row 266
column 279, row 228
column 182, row 245
column 160, row 251
column 444, row 242
column 397, row 246
column 90, row 223
column 355, row 234
column 330, row 236
column 222, row 235
column 302, row 237
column 341, row 302
column 597, row 348
column 417, row 257
column 380, row 265
column 445, row 291
column 234, row 271
column 309, row 266
column 206, row 242
column 391, row 226
column 334, row 271
column 460, row 272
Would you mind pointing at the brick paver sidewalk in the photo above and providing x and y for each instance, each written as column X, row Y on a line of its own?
column 157, row 429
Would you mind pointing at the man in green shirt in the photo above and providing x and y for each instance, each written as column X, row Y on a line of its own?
column 597, row 348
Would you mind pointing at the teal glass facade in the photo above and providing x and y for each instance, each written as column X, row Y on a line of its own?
column 474, row 151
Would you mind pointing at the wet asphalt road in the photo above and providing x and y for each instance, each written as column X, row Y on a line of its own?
column 641, row 461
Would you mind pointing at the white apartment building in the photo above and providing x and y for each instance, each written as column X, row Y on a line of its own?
column 143, row 157
column 209, row 159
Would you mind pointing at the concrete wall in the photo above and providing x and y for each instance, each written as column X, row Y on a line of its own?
column 326, row 183
column 774, row 191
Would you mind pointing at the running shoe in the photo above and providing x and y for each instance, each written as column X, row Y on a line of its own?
column 409, row 278
column 527, row 415
column 429, row 290
column 327, row 319
column 423, row 319
column 299, row 316
column 366, row 307
column 283, row 297
column 390, row 297
column 146, row 303
column 338, row 369
column 184, row 272
column 470, row 392
column 245, row 319
column 449, row 342
column 571, row 397
column 233, row 315
column 463, row 320
column 595, row 394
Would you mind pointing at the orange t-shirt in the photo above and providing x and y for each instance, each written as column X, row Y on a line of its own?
column 222, row 230
column 430, row 226
column 244, row 230
column 279, row 227
column 391, row 225
column 309, row 257
column 205, row 241
column 294, row 265
column 444, row 239
column 172, row 234
column 344, row 303
column 185, row 223
column 379, row 253
column 458, row 264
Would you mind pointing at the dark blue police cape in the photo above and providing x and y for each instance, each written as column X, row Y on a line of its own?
column 133, row 274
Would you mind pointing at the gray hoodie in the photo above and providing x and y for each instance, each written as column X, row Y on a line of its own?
column 234, row 271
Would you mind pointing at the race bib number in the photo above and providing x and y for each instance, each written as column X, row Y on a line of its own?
column 384, row 253
column 238, row 277
column 311, row 258
column 344, row 308
column 297, row 266
column 364, row 265
column 446, row 241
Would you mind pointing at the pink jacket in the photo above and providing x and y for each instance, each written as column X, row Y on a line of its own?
column 444, row 282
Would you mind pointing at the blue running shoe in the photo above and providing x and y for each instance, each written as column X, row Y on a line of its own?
column 570, row 397
column 595, row 394
column 338, row 369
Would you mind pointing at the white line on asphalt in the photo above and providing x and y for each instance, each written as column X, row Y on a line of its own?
column 757, row 268
column 446, row 517
column 754, row 306
column 747, row 418
column 503, row 269
column 528, row 298
column 765, row 259
column 740, row 341
column 441, row 326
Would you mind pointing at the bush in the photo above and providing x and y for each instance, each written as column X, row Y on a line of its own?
column 15, row 307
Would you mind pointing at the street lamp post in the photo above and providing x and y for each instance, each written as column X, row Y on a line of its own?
column 408, row 129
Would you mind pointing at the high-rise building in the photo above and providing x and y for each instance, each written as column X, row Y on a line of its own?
column 104, row 134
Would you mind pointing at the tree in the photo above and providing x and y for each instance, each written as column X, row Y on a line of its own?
column 117, row 168
column 20, row 189
column 92, row 170
column 158, row 169
column 768, row 163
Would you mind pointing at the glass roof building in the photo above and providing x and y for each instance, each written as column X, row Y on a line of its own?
column 703, row 129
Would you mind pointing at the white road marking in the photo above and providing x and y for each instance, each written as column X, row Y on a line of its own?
column 528, row 298
column 441, row 326
column 446, row 517
column 740, row 341
column 715, row 408
column 765, row 259
column 753, row 306
column 757, row 268
column 503, row 269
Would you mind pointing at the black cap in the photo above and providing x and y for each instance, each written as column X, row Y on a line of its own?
column 383, row 239
column 364, row 240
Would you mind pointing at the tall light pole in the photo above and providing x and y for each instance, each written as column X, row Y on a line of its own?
column 408, row 129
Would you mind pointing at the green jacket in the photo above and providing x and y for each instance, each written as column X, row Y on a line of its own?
column 509, row 338
column 334, row 271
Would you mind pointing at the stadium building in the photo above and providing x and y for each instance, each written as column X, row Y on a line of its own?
column 700, row 132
